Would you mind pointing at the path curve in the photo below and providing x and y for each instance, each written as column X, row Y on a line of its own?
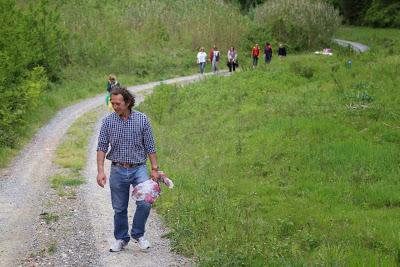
column 354, row 45
column 23, row 182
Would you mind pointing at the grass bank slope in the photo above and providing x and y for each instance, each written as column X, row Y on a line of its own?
column 295, row 163
column 382, row 41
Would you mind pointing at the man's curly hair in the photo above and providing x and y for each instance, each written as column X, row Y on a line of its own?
column 128, row 97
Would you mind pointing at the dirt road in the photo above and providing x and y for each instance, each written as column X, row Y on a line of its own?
column 25, row 182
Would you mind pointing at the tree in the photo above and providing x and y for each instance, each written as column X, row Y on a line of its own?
column 383, row 13
column 301, row 24
column 354, row 10
column 31, row 51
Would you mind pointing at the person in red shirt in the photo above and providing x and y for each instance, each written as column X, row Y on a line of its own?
column 255, row 53
column 214, row 58
column 210, row 55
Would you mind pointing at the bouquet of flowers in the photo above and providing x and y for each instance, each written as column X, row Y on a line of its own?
column 150, row 190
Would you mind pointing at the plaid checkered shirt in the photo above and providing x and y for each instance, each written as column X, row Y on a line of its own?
column 131, row 141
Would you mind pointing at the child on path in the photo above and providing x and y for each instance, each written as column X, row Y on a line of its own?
column 112, row 83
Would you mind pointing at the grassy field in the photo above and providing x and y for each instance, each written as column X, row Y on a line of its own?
column 74, row 88
column 380, row 40
column 295, row 163
column 71, row 155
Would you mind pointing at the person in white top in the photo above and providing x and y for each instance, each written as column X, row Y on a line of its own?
column 232, row 59
column 201, row 59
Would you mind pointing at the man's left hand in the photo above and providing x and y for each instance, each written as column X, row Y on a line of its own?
column 154, row 175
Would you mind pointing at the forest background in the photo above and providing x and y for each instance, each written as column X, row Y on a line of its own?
column 56, row 52
column 306, row 167
column 374, row 13
column 53, row 52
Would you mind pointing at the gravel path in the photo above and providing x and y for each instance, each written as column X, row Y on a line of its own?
column 85, row 227
column 101, row 215
column 355, row 46
column 23, row 184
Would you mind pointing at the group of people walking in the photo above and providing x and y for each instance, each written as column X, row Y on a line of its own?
column 232, row 57
column 126, row 139
column 214, row 58
column 255, row 53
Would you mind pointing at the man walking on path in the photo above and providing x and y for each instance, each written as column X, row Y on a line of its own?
column 129, row 135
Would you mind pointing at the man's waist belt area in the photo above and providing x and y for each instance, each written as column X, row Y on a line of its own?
column 126, row 165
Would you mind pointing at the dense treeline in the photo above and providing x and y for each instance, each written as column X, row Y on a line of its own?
column 376, row 13
column 68, row 41
column 32, row 54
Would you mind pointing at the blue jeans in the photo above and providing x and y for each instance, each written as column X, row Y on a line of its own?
column 214, row 65
column 202, row 67
column 120, row 181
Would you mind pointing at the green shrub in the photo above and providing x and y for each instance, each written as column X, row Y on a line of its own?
column 16, row 101
column 302, row 24
column 302, row 69
column 31, row 54
column 382, row 14
column 46, row 38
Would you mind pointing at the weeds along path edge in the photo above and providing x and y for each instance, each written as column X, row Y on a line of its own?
column 24, row 180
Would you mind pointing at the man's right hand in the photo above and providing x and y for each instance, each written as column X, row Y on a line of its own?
column 101, row 179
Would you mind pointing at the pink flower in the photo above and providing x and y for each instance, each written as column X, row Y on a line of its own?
column 150, row 190
column 149, row 198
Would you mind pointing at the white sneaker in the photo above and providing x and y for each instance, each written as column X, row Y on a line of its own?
column 118, row 245
column 143, row 243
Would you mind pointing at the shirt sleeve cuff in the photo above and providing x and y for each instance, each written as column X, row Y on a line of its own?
column 102, row 148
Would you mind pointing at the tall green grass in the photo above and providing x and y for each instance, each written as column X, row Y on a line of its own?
column 71, row 155
column 130, row 39
column 382, row 41
column 273, row 167
column 77, row 84
column 145, row 38
column 72, row 152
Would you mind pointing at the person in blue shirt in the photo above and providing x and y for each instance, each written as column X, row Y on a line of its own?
column 126, row 139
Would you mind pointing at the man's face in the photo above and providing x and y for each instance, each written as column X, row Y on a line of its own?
column 118, row 104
